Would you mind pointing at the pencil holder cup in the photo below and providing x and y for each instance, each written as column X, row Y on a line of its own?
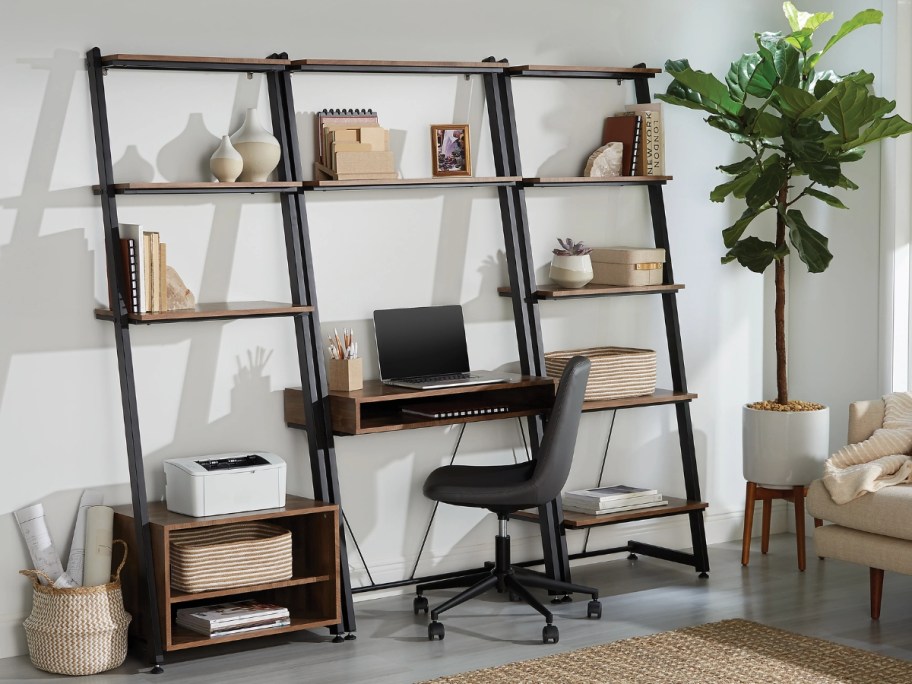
column 345, row 375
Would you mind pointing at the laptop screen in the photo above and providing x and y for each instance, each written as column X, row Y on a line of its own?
column 426, row 340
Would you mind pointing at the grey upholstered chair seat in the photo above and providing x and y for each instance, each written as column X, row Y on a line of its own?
column 507, row 487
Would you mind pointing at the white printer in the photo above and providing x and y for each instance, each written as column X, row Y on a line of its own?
column 224, row 483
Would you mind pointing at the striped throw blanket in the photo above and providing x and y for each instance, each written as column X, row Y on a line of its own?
column 877, row 462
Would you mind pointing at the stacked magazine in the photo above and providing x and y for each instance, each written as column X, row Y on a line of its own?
column 223, row 619
column 611, row 499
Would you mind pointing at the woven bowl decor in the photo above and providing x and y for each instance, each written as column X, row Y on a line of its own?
column 78, row 631
column 225, row 556
column 616, row 371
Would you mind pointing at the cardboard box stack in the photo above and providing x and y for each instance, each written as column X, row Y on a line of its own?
column 351, row 145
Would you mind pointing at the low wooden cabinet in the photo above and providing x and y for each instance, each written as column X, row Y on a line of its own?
column 311, row 595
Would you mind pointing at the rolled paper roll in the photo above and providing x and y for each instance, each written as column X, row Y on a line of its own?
column 99, row 538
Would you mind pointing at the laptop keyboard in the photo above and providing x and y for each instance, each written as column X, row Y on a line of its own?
column 438, row 378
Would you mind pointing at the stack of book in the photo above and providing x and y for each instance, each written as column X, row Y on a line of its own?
column 640, row 129
column 145, row 269
column 611, row 499
column 223, row 619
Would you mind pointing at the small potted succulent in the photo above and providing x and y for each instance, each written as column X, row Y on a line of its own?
column 571, row 265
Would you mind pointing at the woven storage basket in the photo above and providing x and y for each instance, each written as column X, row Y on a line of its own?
column 616, row 371
column 225, row 556
column 78, row 631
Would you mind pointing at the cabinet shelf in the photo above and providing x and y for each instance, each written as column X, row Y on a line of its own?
column 199, row 188
column 575, row 521
column 551, row 71
column 185, row 63
column 590, row 290
column 183, row 596
column 658, row 398
column 361, row 66
column 587, row 181
column 442, row 182
column 182, row 638
column 213, row 310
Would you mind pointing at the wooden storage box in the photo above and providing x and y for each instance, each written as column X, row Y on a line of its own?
column 345, row 375
column 204, row 559
column 627, row 265
column 616, row 371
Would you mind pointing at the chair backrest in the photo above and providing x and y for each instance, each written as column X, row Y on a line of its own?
column 864, row 418
column 552, row 465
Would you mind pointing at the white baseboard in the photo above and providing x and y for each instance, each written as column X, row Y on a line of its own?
column 12, row 636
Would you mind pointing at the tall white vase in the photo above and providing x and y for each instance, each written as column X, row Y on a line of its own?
column 785, row 448
column 258, row 147
column 226, row 163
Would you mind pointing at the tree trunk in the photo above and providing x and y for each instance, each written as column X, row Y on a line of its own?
column 781, row 354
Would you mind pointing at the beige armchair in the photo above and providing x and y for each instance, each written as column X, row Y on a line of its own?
column 874, row 529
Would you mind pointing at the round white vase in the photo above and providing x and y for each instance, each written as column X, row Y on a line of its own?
column 226, row 163
column 784, row 448
column 258, row 147
column 571, row 271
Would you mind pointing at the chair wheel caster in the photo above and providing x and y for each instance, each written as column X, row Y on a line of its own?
column 550, row 633
column 632, row 556
column 566, row 598
column 420, row 603
column 594, row 609
column 435, row 631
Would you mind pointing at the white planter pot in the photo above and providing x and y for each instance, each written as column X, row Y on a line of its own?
column 782, row 448
column 572, row 271
column 258, row 147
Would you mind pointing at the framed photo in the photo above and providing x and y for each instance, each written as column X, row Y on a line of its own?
column 450, row 154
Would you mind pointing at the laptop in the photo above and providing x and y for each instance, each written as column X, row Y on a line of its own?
column 425, row 347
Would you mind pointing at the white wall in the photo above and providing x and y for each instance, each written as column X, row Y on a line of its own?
column 217, row 386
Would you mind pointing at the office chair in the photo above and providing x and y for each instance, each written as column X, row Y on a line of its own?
column 505, row 489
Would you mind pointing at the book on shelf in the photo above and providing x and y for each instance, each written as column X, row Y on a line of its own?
column 130, row 274
column 613, row 508
column 652, row 138
column 595, row 504
column 230, row 617
column 625, row 130
column 133, row 232
column 610, row 493
column 145, row 255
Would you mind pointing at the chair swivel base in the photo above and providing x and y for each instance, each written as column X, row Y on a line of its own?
column 505, row 578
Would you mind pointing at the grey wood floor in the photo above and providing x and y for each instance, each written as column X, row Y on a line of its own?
column 829, row 600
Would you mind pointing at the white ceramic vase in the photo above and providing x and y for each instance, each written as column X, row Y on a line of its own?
column 784, row 448
column 226, row 162
column 258, row 148
column 571, row 271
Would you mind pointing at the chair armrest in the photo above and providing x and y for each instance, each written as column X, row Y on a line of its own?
column 864, row 418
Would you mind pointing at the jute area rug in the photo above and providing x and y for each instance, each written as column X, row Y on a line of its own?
column 727, row 652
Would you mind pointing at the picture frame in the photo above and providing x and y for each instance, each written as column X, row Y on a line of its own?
column 450, row 150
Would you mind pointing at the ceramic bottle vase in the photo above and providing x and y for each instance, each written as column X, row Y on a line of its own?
column 226, row 162
column 258, row 147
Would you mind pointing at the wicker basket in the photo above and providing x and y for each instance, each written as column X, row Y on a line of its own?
column 78, row 631
column 225, row 556
column 616, row 371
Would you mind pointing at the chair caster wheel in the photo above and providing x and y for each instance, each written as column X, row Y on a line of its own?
column 594, row 609
column 550, row 633
column 435, row 631
column 566, row 598
column 632, row 556
column 420, row 603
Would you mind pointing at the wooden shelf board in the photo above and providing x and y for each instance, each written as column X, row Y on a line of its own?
column 160, row 515
column 582, row 71
column 574, row 520
column 181, row 596
column 199, row 187
column 443, row 181
column 586, row 180
column 590, row 290
column 124, row 61
column 659, row 397
column 213, row 310
column 182, row 638
column 396, row 66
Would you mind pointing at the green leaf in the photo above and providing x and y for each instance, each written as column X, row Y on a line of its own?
column 804, row 20
column 863, row 18
column 682, row 101
column 786, row 60
column 768, row 39
column 733, row 233
column 752, row 74
column 754, row 254
column 826, row 171
column 765, row 188
column 849, row 106
column 768, row 125
column 725, row 123
column 804, row 141
column 832, row 200
column 801, row 39
column 710, row 90
column 737, row 186
column 852, row 155
column 844, row 182
column 738, row 168
column 891, row 127
column 795, row 102
column 811, row 245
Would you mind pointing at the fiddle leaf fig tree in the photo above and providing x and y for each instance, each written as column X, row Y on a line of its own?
column 800, row 127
